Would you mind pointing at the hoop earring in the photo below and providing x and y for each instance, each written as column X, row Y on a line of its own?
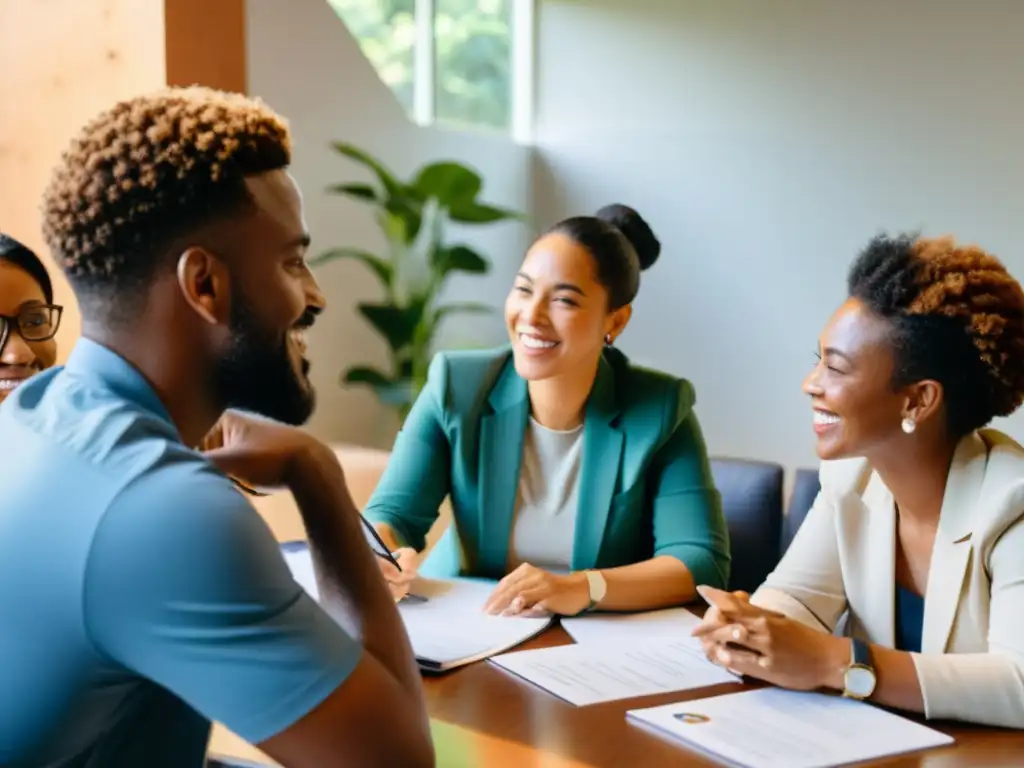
column 909, row 425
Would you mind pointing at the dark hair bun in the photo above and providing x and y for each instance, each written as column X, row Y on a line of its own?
column 636, row 230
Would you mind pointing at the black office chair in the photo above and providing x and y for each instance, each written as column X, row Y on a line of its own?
column 805, row 491
column 806, row 487
column 752, row 503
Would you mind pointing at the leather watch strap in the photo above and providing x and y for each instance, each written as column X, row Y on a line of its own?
column 861, row 653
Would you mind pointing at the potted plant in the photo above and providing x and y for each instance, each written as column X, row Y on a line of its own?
column 412, row 216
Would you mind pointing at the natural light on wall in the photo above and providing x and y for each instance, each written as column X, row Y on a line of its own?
column 457, row 63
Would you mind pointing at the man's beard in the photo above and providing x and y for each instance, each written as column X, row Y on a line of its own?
column 256, row 374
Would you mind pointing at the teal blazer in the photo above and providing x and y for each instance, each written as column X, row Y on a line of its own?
column 645, row 481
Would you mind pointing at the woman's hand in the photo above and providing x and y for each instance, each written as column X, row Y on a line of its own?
column 752, row 641
column 528, row 590
column 400, row 581
column 714, row 615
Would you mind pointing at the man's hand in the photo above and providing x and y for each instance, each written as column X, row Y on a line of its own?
column 386, row 685
column 261, row 453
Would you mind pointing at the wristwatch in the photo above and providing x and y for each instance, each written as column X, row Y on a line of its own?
column 859, row 680
column 598, row 586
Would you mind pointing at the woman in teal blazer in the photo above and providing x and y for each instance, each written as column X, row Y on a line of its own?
column 576, row 478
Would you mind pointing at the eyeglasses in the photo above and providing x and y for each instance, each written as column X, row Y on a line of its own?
column 38, row 322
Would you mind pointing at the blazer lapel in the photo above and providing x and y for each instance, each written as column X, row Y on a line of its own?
column 501, row 454
column 952, row 550
column 879, row 545
column 602, row 451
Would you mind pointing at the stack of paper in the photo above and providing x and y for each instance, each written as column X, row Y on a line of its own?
column 776, row 728
column 620, row 628
column 590, row 674
column 449, row 628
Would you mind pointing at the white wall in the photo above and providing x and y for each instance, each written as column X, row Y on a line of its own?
column 766, row 142
column 306, row 65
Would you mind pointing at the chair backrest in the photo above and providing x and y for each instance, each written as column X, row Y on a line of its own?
column 805, row 491
column 752, row 503
column 363, row 468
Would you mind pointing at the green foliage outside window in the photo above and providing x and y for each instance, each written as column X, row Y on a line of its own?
column 472, row 43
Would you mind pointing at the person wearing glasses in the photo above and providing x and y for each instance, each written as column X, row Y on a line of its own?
column 28, row 317
column 146, row 597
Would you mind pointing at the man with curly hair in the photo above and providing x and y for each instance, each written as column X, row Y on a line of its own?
column 917, row 536
column 142, row 596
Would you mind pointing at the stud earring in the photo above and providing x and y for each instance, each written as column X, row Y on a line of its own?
column 909, row 425
column 608, row 339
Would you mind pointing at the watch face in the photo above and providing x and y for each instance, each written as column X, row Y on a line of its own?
column 860, row 682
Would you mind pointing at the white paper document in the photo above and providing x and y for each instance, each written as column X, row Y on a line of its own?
column 449, row 628
column 668, row 624
column 590, row 674
column 776, row 728
column 296, row 554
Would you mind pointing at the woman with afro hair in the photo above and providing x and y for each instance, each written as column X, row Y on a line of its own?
column 916, row 538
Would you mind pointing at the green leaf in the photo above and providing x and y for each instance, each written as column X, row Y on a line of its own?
column 400, row 212
column 461, row 306
column 405, row 368
column 449, row 182
column 380, row 268
column 396, row 324
column 387, row 179
column 364, row 374
column 359, row 191
column 460, row 258
column 479, row 213
column 413, row 267
column 393, row 392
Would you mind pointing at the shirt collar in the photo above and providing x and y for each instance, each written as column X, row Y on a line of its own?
column 94, row 362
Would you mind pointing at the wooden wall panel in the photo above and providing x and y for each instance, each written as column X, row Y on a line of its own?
column 62, row 62
column 205, row 43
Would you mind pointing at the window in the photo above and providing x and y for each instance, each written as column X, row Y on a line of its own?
column 473, row 61
column 463, row 63
column 386, row 31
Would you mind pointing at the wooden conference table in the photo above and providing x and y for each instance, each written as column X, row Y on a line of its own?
column 484, row 717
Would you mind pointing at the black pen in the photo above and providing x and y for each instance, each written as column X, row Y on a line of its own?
column 246, row 488
column 390, row 557
column 382, row 553
column 409, row 596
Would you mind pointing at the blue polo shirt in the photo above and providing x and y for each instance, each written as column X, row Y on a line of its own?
column 141, row 595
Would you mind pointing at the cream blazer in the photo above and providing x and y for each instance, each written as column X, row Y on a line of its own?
column 971, row 665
